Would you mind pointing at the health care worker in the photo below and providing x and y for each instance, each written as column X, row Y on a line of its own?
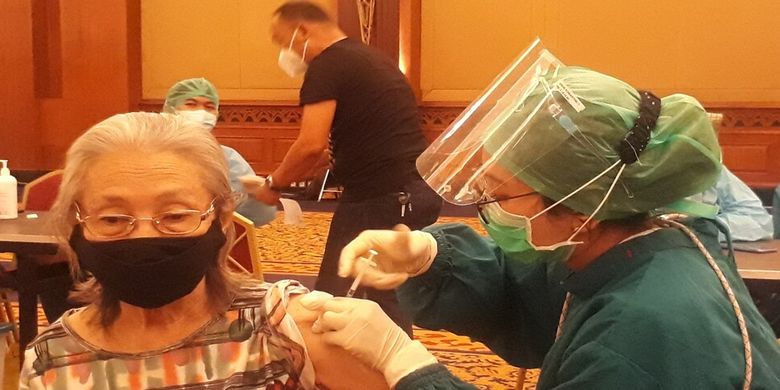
column 197, row 100
column 566, row 166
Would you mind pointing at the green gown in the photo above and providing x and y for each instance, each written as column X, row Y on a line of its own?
column 648, row 314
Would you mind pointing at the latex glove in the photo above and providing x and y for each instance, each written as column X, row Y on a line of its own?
column 401, row 253
column 361, row 327
column 315, row 300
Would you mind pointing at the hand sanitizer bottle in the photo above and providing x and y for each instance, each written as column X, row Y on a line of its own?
column 8, row 199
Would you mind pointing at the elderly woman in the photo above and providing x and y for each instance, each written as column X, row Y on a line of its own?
column 197, row 100
column 566, row 169
column 145, row 210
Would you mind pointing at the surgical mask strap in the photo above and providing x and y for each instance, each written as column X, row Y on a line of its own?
column 601, row 204
column 289, row 47
column 606, row 196
column 305, row 44
column 578, row 189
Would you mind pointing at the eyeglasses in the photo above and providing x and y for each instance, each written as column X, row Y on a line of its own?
column 175, row 222
column 481, row 204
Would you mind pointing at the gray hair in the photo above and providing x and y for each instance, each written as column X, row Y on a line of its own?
column 150, row 133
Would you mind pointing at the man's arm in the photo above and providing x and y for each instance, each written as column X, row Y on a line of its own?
column 312, row 141
column 305, row 151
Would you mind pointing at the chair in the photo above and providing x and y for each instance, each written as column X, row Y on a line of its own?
column 7, row 316
column 40, row 193
column 244, row 255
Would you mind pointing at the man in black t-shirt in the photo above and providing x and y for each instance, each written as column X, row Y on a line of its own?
column 358, row 97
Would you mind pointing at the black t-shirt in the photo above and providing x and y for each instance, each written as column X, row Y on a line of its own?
column 376, row 135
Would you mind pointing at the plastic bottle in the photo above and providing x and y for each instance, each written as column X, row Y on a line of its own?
column 8, row 199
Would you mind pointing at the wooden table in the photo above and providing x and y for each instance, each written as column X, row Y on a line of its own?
column 763, row 266
column 28, row 238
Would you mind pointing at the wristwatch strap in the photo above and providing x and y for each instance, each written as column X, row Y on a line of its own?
column 269, row 182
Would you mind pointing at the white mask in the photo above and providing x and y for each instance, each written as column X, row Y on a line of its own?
column 290, row 61
column 201, row 117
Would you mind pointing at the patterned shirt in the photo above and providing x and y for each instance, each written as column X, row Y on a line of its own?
column 255, row 345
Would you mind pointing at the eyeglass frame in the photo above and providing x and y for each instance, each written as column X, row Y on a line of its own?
column 155, row 220
column 482, row 203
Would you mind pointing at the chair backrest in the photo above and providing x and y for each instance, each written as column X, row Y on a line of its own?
column 40, row 193
column 244, row 255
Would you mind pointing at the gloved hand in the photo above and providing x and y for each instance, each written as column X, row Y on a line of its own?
column 361, row 327
column 401, row 253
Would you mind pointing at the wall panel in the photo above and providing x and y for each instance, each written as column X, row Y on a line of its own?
column 718, row 51
column 18, row 112
column 227, row 42
column 95, row 70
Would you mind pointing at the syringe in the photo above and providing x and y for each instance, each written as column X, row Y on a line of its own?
column 366, row 263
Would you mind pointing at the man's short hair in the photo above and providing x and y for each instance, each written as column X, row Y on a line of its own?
column 302, row 11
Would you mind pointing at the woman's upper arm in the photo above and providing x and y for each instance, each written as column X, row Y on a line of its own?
column 334, row 367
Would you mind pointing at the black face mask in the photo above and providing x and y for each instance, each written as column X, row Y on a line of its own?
column 149, row 272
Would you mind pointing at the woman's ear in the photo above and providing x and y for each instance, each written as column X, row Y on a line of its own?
column 225, row 218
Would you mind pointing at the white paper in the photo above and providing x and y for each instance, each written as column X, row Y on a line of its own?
column 292, row 209
column 292, row 212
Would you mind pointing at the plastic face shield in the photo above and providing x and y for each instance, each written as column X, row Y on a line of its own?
column 523, row 115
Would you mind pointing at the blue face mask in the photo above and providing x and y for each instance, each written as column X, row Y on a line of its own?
column 512, row 234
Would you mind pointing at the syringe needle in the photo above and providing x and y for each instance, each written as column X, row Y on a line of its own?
column 369, row 262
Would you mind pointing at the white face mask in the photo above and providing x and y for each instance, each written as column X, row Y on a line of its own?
column 290, row 61
column 201, row 117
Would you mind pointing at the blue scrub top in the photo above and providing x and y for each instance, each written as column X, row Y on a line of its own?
column 740, row 209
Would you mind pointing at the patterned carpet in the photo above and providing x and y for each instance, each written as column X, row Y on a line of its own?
column 291, row 257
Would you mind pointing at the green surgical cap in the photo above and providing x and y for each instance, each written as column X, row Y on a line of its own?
column 682, row 157
column 188, row 89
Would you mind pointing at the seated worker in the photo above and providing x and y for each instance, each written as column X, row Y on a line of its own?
column 567, row 170
column 739, row 208
column 145, row 210
column 197, row 100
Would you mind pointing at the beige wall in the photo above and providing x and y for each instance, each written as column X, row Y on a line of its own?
column 719, row 51
column 723, row 52
column 226, row 41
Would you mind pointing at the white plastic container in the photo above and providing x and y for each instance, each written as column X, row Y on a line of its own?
column 8, row 199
